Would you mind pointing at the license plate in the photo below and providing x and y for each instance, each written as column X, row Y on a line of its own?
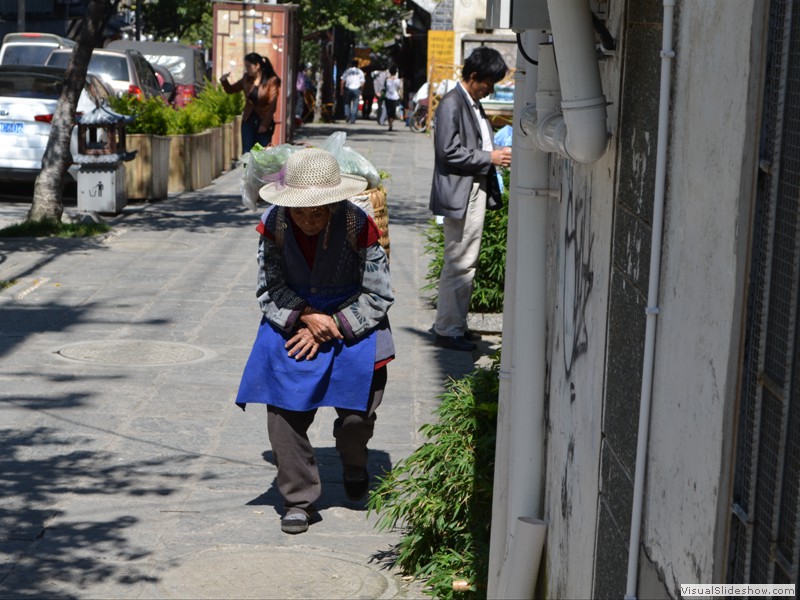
column 15, row 127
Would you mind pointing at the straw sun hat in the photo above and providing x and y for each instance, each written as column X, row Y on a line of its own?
column 311, row 178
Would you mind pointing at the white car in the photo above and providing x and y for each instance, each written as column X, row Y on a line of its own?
column 29, row 48
column 28, row 98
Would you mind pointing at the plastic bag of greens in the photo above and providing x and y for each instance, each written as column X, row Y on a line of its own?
column 350, row 161
column 261, row 164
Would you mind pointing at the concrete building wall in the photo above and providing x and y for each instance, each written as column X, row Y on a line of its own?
column 465, row 13
column 713, row 149
column 580, row 243
column 599, row 236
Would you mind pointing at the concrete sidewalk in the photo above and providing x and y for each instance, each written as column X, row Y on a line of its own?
column 126, row 471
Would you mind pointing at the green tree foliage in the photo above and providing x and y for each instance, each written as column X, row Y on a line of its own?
column 372, row 21
column 190, row 20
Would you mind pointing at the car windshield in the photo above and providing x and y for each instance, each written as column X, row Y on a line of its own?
column 27, row 85
column 175, row 64
column 23, row 54
column 110, row 68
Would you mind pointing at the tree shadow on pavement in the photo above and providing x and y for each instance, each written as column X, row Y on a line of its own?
column 50, row 549
column 20, row 322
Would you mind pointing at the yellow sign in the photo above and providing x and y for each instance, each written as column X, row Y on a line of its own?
column 441, row 48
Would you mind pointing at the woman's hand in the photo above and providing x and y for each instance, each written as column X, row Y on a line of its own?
column 302, row 345
column 321, row 326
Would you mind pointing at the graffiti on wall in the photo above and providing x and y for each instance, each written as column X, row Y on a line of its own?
column 577, row 278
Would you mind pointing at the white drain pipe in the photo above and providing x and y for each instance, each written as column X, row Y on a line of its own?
column 578, row 129
column 667, row 54
column 520, row 443
column 498, row 531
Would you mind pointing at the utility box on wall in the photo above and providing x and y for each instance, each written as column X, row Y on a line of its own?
column 271, row 30
column 517, row 14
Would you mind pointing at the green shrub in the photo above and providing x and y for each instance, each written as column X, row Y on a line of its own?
column 194, row 118
column 217, row 100
column 488, row 287
column 441, row 495
column 210, row 109
column 152, row 116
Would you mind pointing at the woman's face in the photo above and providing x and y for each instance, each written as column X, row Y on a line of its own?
column 311, row 221
column 251, row 69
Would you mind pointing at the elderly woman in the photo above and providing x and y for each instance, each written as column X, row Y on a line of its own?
column 324, row 339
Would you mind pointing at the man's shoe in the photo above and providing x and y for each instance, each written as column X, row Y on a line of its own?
column 356, row 489
column 471, row 336
column 294, row 523
column 456, row 342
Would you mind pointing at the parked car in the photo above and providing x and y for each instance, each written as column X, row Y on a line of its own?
column 166, row 81
column 186, row 64
column 31, row 48
column 28, row 99
column 128, row 72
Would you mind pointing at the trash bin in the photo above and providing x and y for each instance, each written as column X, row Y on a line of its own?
column 101, row 156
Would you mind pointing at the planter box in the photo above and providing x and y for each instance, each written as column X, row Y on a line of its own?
column 237, row 137
column 147, row 175
column 228, row 151
column 190, row 161
column 217, row 154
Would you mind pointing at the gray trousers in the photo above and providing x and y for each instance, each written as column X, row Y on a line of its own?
column 298, row 476
column 462, row 247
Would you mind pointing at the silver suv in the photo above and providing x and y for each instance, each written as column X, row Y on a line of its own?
column 30, row 48
column 128, row 72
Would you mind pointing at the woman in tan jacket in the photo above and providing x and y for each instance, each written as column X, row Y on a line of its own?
column 261, row 86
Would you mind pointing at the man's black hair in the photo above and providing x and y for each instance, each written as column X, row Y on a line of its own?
column 486, row 63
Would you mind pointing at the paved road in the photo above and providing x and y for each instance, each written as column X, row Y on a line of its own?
column 126, row 471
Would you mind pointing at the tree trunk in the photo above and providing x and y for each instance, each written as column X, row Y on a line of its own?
column 47, row 192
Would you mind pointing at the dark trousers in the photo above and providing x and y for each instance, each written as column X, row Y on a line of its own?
column 298, row 476
column 351, row 104
column 250, row 133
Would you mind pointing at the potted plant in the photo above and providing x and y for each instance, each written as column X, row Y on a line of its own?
column 191, row 158
column 147, row 175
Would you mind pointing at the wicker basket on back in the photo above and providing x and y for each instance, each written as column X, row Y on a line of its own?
column 373, row 201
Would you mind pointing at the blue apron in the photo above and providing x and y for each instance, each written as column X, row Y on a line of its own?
column 339, row 375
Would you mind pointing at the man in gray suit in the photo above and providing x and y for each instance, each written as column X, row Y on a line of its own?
column 464, row 186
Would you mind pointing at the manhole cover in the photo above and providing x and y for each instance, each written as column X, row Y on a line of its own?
column 133, row 352
column 273, row 573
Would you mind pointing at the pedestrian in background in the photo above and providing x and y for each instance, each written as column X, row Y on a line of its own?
column 368, row 93
column 379, row 83
column 261, row 86
column 394, row 94
column 464, row 186
column 350, row 85
column 300, row 92
column 324, row 338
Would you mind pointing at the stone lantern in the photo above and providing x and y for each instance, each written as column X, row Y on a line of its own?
column 101, row 156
